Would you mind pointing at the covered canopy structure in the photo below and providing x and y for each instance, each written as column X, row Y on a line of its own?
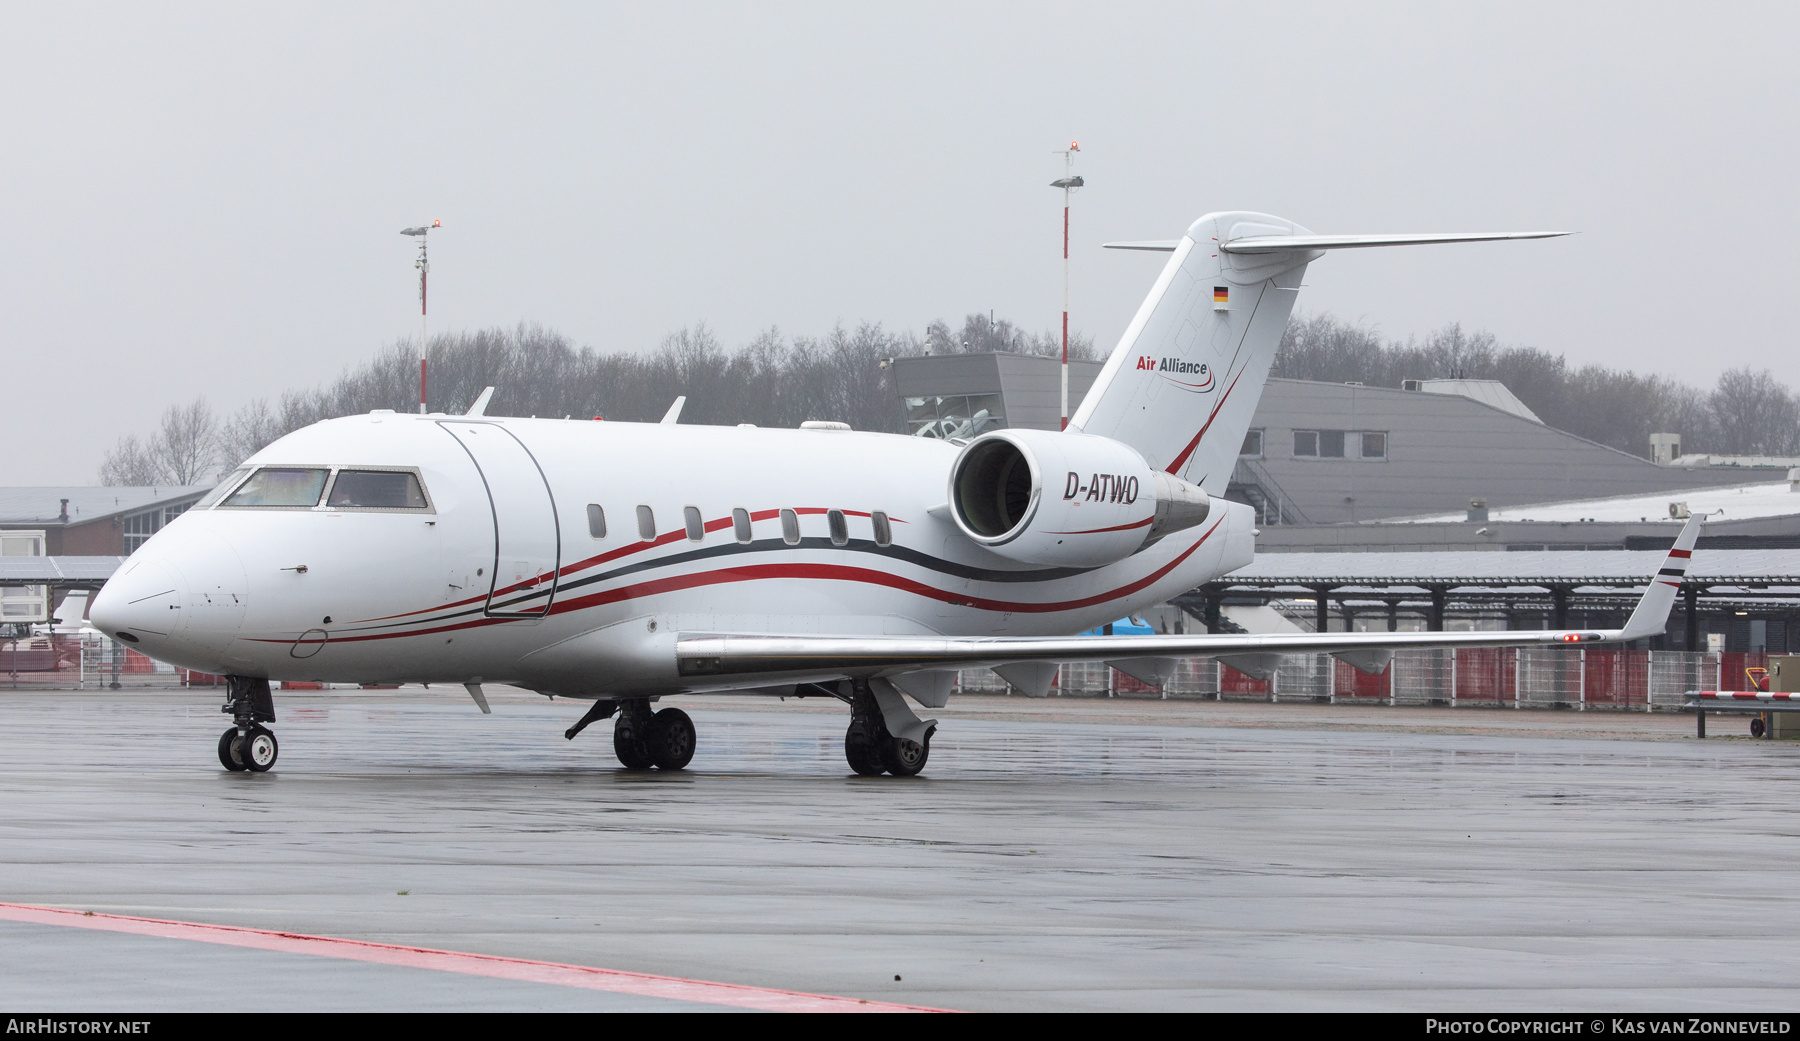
column 1726, row 591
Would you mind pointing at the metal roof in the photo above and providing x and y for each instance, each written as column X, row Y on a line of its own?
column 1488, row 392
column 1735, row 502
column 86, row 503
column 57, row 570
column 1602, row 568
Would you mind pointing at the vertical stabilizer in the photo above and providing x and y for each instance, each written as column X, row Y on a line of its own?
column 1183, row 383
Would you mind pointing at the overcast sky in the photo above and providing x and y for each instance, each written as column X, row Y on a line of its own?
column 203, row 199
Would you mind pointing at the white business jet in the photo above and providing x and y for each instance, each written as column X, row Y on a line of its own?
column 624, row 563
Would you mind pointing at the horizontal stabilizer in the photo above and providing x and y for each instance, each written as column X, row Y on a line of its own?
column 1154, row 246
column 1294, row 243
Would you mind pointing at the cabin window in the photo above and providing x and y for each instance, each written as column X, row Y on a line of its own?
column 790, row 527
column 596, row 520
column 281, row 486
column 646, row 524
column 840, row 529
column 884, row 532
column 740, row 524
column 376, row 489
column 696, row 528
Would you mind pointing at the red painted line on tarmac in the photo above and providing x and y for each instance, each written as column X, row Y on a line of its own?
column 642, row 984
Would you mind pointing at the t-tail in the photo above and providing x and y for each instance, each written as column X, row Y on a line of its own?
column 1183, row 384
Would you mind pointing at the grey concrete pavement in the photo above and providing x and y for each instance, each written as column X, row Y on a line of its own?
column 1055, row 855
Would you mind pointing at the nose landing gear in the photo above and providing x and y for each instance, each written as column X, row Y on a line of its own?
column 248, row 745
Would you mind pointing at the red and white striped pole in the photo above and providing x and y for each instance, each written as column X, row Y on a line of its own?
column 424, row 265
column 424, row 270
column 1067, row 183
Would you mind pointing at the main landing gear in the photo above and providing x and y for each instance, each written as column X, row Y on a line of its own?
column 642, row 739
column 248, row 745
column 871, row 747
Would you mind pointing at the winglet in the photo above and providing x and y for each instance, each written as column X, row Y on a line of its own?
column 481, row 403
column 673, row 416
column 1652, row 614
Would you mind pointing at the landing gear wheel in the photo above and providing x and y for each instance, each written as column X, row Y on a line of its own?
column 1756, row 726
column 630, row 742
column 671, row 739
column 258, row 750
column 905, row 758
column 228, row 757
column 863, row 755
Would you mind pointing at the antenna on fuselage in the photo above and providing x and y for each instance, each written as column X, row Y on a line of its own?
column 481, row 404
column 673, row 416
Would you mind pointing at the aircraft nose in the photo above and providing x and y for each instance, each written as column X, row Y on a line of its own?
column 140, row 603
column 179, row 598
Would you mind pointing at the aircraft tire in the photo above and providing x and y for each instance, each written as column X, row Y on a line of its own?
column 228, row 751
column 630, row 746
column 258, row 750
column 905, row 758
column 863, row 756
column 671, row 739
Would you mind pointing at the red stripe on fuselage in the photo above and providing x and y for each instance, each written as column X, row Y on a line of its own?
column 823, row 572
column 719, row 524
column 845, row 573
column 1100, row 531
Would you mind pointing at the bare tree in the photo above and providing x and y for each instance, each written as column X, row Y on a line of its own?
column 188, row 443
column 246, row 433
column 1755, row 414
column 130, row 463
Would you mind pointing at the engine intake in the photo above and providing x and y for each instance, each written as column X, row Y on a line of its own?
column 1044, row 497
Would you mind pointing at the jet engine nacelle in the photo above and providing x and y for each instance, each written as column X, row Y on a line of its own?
column 1044, row 497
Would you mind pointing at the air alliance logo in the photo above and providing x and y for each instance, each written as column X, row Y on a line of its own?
column 1193, row 376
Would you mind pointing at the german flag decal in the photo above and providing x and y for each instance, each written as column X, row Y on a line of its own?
column 1221, row 295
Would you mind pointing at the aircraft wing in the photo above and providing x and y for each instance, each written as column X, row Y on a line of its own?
column 801, row 657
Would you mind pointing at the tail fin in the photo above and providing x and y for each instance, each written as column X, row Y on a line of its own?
column 1183, row 384
column 1184, row 381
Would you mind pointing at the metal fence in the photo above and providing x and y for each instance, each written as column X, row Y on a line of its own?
column 88, row 661
column 1509, row 677
column 1513, row 677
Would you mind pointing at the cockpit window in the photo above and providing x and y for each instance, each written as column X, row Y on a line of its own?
column 377, row 489
column 221, row 488
column 280, row 486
